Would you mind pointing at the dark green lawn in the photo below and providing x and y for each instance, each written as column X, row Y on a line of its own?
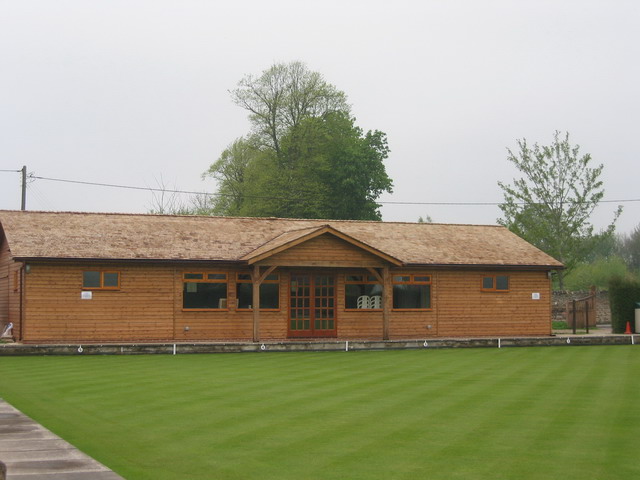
column 513, row 413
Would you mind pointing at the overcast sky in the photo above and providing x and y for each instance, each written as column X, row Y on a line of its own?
column 131, row 92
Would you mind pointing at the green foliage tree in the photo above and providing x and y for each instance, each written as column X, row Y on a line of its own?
column 598, row 273
column 229, row 171
column 606, row 245
column 282, row 96
column 551, row 205
column 306, row 158
column 630, row 249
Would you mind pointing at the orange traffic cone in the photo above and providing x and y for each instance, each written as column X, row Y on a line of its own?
column 628, row 330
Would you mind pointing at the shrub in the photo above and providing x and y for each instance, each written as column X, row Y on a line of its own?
column 624, row 292
column 598, row 273
column 559, row 325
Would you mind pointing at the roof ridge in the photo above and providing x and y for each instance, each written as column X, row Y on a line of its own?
column 321, row 220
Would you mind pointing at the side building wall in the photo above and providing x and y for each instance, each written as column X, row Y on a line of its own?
column 460, row 308
column 142, row 309
column 10, row 289
column 148, row 307
column 5, row 282
column 465, row 310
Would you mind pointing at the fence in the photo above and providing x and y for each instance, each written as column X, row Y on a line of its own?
column 582, row 313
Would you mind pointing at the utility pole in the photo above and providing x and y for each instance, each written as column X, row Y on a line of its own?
column 24, row 188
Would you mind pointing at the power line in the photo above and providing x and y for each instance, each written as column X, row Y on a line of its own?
column 147, row 189
column 493, row 203
column 112, row 185
column 35, row 191
column 187, row 192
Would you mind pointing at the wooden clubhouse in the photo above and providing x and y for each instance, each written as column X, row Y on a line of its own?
column 95, row 277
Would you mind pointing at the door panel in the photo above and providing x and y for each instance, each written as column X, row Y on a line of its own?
column 312, row 306
column 300, row 303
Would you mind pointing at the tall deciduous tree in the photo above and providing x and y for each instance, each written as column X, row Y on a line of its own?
column 305, row 158
column 282, row 96
column 328, row 168
column 551, row 205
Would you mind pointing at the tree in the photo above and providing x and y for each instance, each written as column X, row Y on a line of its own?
column 605, row 246
column 630, row 249
column 166, row 201
column 229, row 171
column 349, row 164
column 551, row 205
column 282, row 96
column 328, row 168
column 306, row 158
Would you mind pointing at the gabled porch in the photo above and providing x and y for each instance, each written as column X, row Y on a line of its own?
column 315, row 255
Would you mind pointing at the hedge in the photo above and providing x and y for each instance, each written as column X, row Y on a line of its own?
column 624, row 292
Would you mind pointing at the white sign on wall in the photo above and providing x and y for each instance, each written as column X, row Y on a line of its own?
column 535, row 296
column 86, row 295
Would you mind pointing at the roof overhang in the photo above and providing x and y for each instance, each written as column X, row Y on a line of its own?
column 182, row 261
column 125, row 260
column 483, row 266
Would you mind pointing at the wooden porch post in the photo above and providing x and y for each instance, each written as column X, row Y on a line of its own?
column 256, row 281
column 387, row 300
column 255, row 302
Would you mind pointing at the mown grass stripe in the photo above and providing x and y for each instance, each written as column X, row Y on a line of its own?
column 484, row 413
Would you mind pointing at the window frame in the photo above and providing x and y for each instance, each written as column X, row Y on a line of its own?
column 494, row 280
column 205, row 279
column 265, row 281
column 102, row 286
column 412, row 281
column 367, row 279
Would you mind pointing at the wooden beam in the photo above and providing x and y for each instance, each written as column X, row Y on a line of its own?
column 268, row 272
column 256, row 281
column 255, row 302
column 375, row 273
column 322, row 263
column 387, row 301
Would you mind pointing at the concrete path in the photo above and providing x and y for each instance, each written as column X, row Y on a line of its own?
column 31, row 452
column 600, row 331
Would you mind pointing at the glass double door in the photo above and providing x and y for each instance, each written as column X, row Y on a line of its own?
column 312, row 306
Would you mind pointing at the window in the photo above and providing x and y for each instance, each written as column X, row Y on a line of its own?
column 362, row 292
column 99, row 280
column 495, row 283
column 411, row 292
column 204, row 291
column 269, row 292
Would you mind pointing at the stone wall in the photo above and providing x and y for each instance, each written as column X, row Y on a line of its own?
column 343, row 346
column 560, row 300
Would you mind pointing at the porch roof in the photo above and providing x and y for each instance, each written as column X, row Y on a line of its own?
column 295, row 237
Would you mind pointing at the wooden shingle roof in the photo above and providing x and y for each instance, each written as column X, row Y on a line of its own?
column 106, row 236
